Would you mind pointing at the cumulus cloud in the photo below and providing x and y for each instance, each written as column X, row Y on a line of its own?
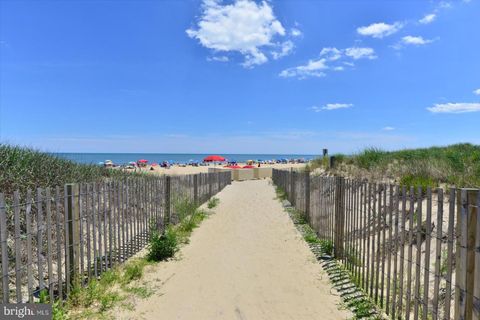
column 243, row 26
column 360, row 53
column 429, row 18
column 455, row 108
column 329, row 59
column 477, row 92
column 388, row 128
column 380, row 29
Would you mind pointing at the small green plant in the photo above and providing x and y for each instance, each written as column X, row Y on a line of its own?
column 162, row 246
column 58, row 311
column 213, row 202
column 327, row 246
column 142, row 292
column 133, row 271
column 310, row 236
column 281, row 194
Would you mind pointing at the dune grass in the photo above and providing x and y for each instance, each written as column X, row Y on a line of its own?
column 23, row 168
column 454, row 165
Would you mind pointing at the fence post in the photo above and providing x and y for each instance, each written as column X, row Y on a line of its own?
column 467, row 211
column 292, row 187
column 73, row 222
column 195, row 189
column 339, row 217
column 307, row 194
column 210, row 185
column 167, row 211
column 331, row 162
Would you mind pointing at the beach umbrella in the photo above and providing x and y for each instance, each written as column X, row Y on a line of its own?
column 248, row 167
column 142, row 161
column 233, row 167
column 214, row 158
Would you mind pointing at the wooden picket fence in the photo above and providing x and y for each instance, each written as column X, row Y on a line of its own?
column 414, row 251
column 54, row 238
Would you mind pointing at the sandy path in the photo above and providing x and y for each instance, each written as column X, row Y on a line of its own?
column 245, row 262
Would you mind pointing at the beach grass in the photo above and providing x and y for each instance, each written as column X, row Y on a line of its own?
column 454, row 165
column 24, row 168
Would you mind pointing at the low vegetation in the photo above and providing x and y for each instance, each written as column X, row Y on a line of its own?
column 23, row 168
column 213, row 202
column 455, row 165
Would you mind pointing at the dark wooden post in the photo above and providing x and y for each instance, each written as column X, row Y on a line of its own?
column 339, row 217
column 331, row 162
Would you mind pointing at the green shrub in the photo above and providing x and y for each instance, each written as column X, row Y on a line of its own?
column 417, row 181
column 327, row 246
column 162, row 246
column 213, row 202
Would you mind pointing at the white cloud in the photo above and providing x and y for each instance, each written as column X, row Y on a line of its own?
column 330, row 59
column 411, row 41
column 219, row 58
column 331, row 54
column 360, row 53
column 429, row 18
column 477, row 92
column 243, row 26
column 415, row 40
column 380, row 30
column 294, row 32
column 335, row 106
column 388, row 128
column 455, row 108
column 331, row 106
column 314, row 68
column 285, row 49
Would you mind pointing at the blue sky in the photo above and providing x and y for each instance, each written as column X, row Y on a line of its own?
column 285, row 76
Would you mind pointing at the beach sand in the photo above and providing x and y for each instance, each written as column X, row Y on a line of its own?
column 177, row 170
column 246, row 261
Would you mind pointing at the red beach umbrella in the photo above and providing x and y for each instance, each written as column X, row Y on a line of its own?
column 233, row 167
column 142, row 161
column 248, row 167
column 214, row 159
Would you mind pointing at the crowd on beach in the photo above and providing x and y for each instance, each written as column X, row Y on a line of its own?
column 145, row 165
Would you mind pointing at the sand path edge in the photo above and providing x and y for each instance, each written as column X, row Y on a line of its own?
column 246, row 261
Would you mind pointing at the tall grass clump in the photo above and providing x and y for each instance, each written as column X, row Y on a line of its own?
column 24, row 168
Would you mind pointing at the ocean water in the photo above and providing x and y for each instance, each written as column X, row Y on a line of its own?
column 123, row 158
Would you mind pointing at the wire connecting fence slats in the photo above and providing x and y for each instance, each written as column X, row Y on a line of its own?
column 414, row 251
column 53, row 239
